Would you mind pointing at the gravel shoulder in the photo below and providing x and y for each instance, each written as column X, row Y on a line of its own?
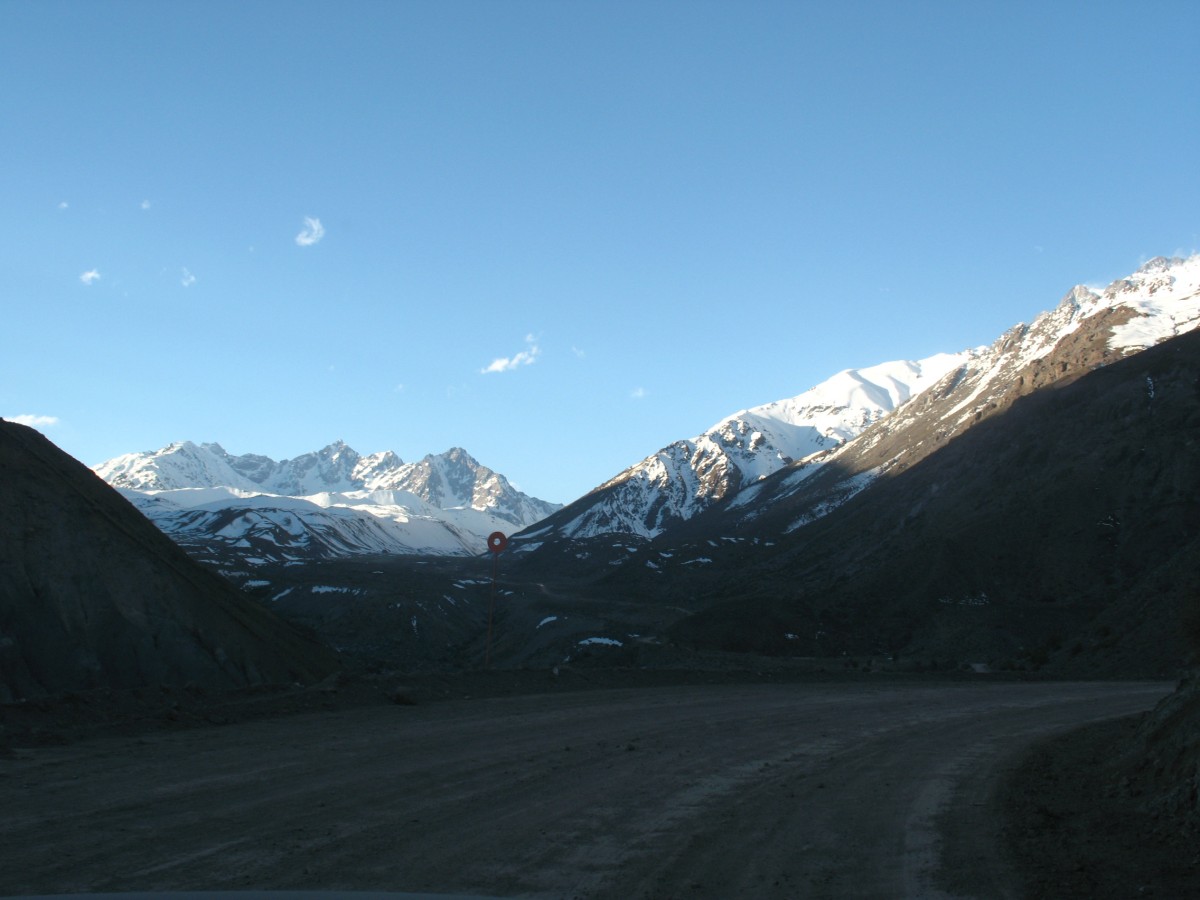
column 854, row 789
column 1078, row 825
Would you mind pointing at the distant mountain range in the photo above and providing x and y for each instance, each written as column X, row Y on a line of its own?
column 1024, row 505
column 849, row 430
column 333, row 502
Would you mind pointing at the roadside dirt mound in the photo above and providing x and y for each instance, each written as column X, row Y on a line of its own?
column 1110, row 811
column 1166, row 759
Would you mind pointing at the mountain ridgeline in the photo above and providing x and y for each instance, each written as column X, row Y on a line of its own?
column 690, row 476
column 327, row 504
column 1063, row 529
column 1035, row 504
column 1030, row 504
column 869, row 420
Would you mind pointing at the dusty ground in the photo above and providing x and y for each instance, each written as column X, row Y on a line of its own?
column 1081, row 827
column 843, row 789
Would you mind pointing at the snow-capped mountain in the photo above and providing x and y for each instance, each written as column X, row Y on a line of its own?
column 1058, row 531
column 1088, row 329
column 873, row 419
column 332, row 502
column 188, row 465
column 689, row 476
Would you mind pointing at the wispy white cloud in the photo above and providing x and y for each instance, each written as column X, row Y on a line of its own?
column 63, row 205
column 33, row 421
column 579, row 353
column 638, row 393
column 526, row 357
column 312, row 232
column 145, row 204
column 90, row 277
column 398, row 389
column 187, row 279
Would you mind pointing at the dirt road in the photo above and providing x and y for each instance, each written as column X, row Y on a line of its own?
column 808, row 790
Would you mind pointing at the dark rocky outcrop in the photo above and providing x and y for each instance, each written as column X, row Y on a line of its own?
column 93, row 595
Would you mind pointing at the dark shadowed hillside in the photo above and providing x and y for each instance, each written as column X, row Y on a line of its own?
column 93, row 595
column 1061, row 532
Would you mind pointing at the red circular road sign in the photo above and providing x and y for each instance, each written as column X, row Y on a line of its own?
column 497, row 541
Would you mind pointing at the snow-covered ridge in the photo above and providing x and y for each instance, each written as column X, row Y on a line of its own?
column 1165, row 293
column 330, row 502
column 1158, row 301
column 827, row 415
column 732, row 459
column 1088, row 328
column 688, row 476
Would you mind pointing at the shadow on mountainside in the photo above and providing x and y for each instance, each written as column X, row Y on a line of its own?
column 1062, row 535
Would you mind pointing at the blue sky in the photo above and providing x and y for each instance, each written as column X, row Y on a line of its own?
column 557, row 234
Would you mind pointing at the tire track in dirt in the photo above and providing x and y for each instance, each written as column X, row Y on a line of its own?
column 822, row 790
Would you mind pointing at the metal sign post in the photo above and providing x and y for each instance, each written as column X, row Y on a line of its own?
column 496, row 543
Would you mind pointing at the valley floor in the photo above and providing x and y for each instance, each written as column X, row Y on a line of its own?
column 855, row 788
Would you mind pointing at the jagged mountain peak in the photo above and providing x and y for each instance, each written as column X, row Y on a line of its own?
column 1079, row 297
column 333, row 501
column 335, row 467
column 1160, row 264
column 456, row 480
column 337, row 449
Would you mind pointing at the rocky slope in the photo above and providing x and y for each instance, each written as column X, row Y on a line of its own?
column 1074, row 807
column 690, row 476
column 1033, row 509
column 1062, row 533
column 734, row 470
column 1087, row 330
column 93, row 595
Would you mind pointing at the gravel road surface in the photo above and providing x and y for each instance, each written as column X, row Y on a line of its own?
column 798, row 790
